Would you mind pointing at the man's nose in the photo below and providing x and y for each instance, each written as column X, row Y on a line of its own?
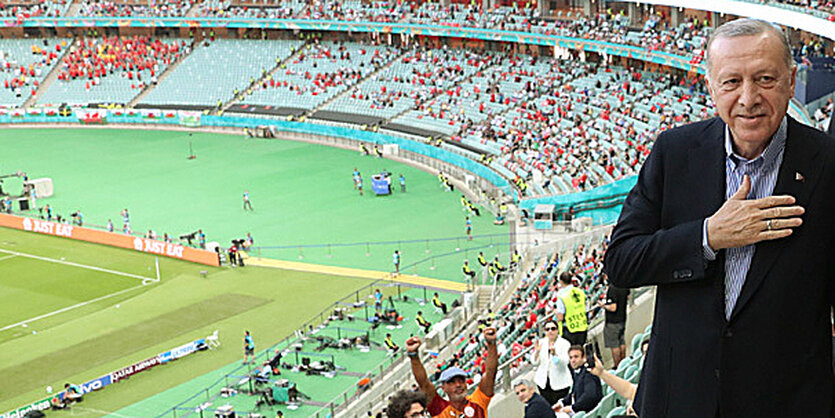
column 750, row 94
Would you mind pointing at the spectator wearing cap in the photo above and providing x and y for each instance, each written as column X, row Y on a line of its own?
column 454, row 383
column 535, row 405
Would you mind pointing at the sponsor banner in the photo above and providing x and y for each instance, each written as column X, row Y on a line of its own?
column 133, row 369
column 114, row 376
column 110, row 238
column 92, row 385
column 96, row 384
column 34, row 111
column 40, row 405
column 180, row 351
column 17, row 113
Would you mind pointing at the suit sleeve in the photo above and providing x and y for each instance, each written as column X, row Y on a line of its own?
column 642, row 252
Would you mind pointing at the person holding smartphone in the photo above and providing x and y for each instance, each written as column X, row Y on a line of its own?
column 586, row 391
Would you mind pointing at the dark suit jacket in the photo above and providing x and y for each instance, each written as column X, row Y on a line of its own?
column 774, row 355
column 538, row 407
column 586, row 392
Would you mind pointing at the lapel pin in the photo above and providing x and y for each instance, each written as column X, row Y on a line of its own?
column 798, row 176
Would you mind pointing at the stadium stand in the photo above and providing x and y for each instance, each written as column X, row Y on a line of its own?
column 23, row 65
column 534, row 300
column 24, row 9
column 215, row 71
column 319, row 72
column 413, row 78
column 124, row 8
column 111, row 69
column 257, row 10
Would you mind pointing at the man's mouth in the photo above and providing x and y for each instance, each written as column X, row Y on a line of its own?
column 749, row 117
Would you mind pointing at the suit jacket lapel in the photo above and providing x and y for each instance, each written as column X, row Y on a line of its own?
column 799, row 158
column 706, row 166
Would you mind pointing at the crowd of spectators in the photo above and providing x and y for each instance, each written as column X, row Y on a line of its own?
column 327, row 68
column 104, row 8
column 138, row 59
column 826, row 8
column 532, row 305
column 415, row 77
column 22, row 73
column 574, row 122
column 33, row 8
column 264, row 10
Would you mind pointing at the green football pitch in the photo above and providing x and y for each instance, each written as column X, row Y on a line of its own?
column 87, row 313
column 306, row 208
column 72, row 311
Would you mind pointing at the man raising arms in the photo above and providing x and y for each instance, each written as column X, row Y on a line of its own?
column 454, row 383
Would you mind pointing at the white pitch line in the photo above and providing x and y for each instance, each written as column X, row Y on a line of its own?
column 68, row 308
column 69, row 263
column 8, row 257
column 98, row 411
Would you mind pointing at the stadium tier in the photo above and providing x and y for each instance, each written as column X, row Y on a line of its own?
column 130, row 8
column 111, row 69
column 257, row 10
column 318, row 73
column 23, row 9
column 408, row 81
column 216, row 70
column 24, row 63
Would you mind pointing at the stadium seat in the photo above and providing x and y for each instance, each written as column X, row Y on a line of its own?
column 606, row 404
column 636, row 342
column 617, row 411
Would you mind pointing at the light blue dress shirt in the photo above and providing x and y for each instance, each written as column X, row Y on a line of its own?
column 763, row 173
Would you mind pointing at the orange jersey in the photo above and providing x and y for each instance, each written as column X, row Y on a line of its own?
column 476, row 407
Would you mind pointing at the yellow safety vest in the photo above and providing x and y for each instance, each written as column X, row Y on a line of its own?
column 575, row 310
column 481, row 260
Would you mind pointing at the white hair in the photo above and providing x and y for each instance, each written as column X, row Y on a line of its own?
column 749, row 27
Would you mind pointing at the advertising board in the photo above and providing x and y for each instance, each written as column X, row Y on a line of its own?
column 109, row 238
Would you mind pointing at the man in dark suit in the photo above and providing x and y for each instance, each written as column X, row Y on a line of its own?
column 586, row 391
column 733, row 219
column 535, row 405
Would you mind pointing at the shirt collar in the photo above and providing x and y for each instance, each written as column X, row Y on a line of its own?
column 772, row 150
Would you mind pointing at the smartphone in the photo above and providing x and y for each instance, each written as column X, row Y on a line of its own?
column 590, row 349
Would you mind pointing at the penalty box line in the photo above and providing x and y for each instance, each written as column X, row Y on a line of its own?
column 84, row 266
column 69, row 308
